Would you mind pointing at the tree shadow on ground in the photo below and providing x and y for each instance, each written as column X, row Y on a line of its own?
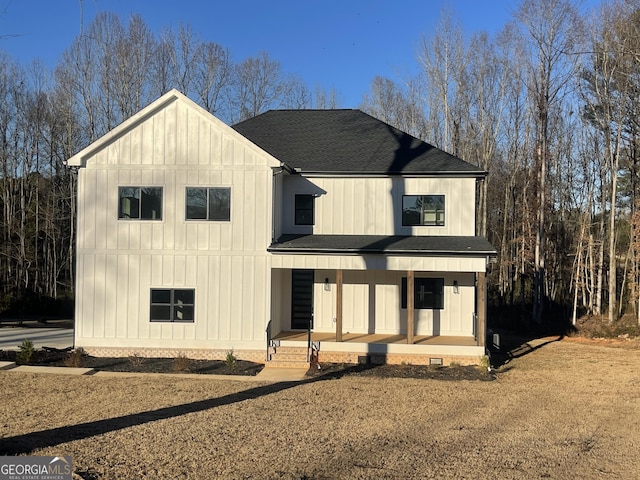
column 514, row 346
column 29, row 442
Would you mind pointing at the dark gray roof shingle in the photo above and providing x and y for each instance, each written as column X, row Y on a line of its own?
column 383, row 244
column 347, row 142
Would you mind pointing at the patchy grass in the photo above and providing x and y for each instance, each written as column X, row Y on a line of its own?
column 562, row 410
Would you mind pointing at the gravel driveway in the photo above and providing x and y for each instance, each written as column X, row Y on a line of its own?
column 565, row 410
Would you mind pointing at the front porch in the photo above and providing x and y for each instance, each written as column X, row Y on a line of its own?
column 376, row 338
column 407, row 306
column 385, row 348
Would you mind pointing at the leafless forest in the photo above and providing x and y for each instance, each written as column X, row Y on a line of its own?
column 548, row 106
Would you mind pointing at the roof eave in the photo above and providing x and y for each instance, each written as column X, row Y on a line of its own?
column 360, row 173
column 364, row 251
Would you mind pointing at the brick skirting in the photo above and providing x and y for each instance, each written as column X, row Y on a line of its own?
column 397, row 358
column 257, row 356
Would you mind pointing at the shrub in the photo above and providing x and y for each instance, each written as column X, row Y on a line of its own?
column 182, row 363
column 485, row 364
column 231, row 360
column 75, row 358
column 27, row 352
column 136, row 360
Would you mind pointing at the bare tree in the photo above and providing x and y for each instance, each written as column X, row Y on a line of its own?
column 551, row 28
column 132, row 54
column 326, row 99
column 162, row 67
column 296, row 94
column 396, row 104
column 610, row 91
column 212, row 76
column 443, row 59
column 259, row 85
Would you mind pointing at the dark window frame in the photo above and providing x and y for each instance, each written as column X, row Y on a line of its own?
column 431, row 297
column 416, row 215
column 144, row 203
column 303, row 215
column 172, row 305
column 221, row 212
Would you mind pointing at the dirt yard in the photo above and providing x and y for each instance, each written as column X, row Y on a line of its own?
column 565, row 410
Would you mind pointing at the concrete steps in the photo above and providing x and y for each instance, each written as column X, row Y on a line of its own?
column 288, row 357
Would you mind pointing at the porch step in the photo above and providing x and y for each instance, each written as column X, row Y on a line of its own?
column 288, row 357
column 290, row 349
column 286, row 364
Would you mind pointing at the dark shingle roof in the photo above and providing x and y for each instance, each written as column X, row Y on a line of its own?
column 346, row 142
column 383, row 244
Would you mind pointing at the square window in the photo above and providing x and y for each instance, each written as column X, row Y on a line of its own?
column 140, row 203
column 423, row 210
column 304, row 210
column 428, row 293
column 208, row 203
column 172, row 305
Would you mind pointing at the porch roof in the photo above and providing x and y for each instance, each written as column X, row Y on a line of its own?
column 383, row 244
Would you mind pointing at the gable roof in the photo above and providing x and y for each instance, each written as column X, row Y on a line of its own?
column 80, row 158
column 347, row 142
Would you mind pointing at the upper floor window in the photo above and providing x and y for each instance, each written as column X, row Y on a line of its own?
column 425, row 210
column 172, row 305
column 140, row 203
column 428, row 293
column 208, row 203
column 304, row 210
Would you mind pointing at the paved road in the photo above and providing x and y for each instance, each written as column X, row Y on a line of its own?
column 56, row 337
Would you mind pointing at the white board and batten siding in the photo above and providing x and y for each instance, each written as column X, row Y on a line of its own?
column 173, row 145
column 373, row 206
column 371, row 283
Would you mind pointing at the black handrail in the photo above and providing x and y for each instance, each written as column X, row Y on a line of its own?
column 309, row 342
column 268, row 338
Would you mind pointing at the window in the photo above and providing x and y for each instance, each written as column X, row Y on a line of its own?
column 172, row 305
column 304, row 210
column 428, row 293
column 423, row 210
column 140, row 203
column 208, row 203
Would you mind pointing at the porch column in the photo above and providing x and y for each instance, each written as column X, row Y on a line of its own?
column 410, row 305
column 481, row 314
column 339, row 305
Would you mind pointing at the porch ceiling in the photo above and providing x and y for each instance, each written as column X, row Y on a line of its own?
column 383, row 244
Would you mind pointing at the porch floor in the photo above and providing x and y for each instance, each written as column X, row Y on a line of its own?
column 377, row 338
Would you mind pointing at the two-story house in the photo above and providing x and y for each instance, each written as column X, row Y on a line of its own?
column 196, row 238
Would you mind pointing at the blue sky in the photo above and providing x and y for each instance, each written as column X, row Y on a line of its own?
column 334, row 44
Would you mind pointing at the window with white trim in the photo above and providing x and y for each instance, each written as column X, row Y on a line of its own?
column 172, row 305
column 208, row 203
column 140, row 203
